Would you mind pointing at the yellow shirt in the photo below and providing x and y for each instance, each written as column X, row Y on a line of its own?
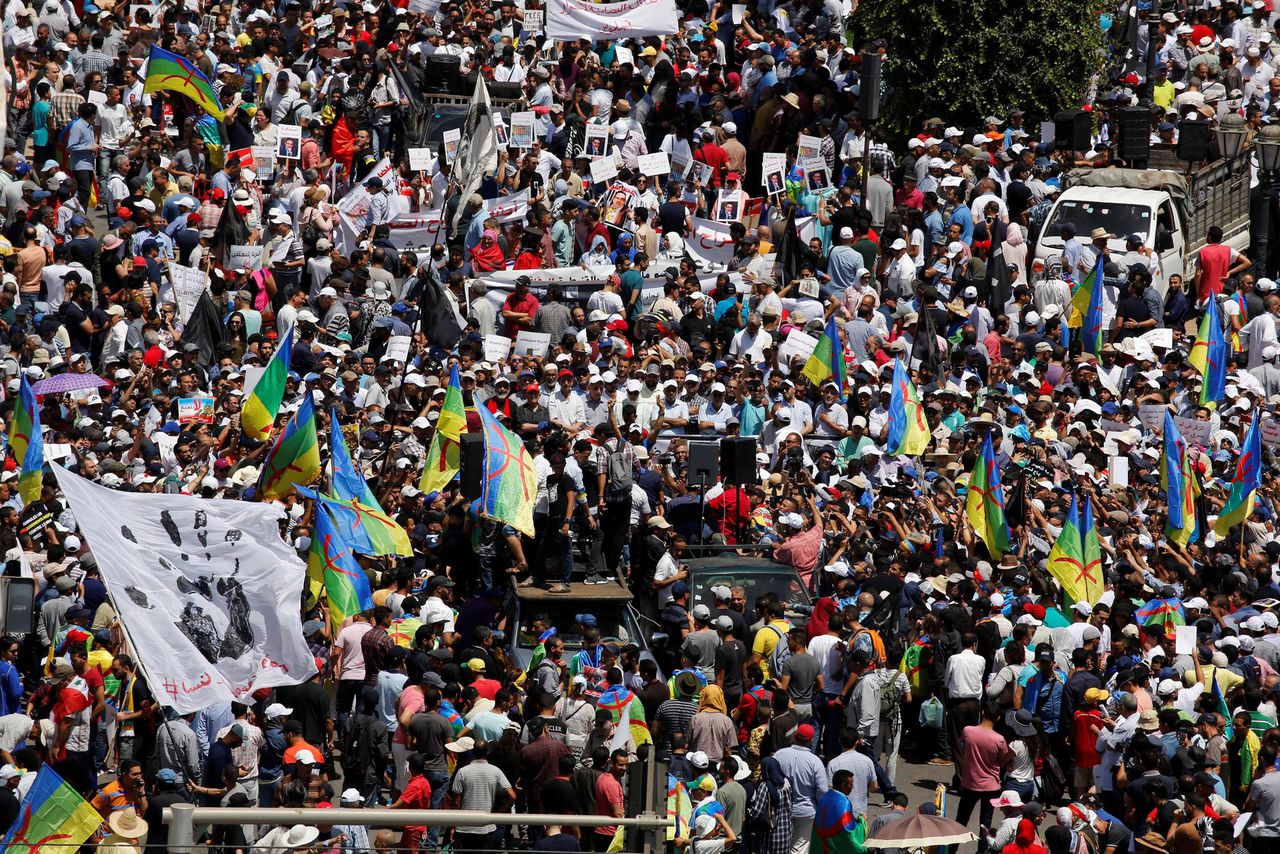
column 767, row 639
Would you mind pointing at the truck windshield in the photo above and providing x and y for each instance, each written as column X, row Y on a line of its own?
column 1121, row 220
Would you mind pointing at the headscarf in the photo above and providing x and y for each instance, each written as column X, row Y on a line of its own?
column 819, row 620
column 1014, row 235
column 674, row 250
column 712, row 700
column 627, row 251
column 487, row 259
column 1025, row 841
column 775, row 780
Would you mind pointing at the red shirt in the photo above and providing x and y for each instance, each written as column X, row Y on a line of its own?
column 528, row 305
column 487, row 688
column 715, row 157
column 1085, row 740
column 417, row 796
column 608, row 793
column 1215, row 261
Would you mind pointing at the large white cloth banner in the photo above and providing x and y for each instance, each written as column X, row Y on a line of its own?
column 208, row 592
column 710, row 244
column 568, row 20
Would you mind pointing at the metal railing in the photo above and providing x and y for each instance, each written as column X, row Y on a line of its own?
column 183, row 819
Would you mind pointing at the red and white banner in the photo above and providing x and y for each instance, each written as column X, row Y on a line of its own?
column 505, row 209
column 710, row 243
column 568, row 20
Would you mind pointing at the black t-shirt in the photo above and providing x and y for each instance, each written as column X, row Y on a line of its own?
column 560, row 841
column 35, row 517
column 558, row 495
column 730, row 656
column 310, row 706
column 672, row 217
column 1017, row 197
column 1132, row 308
column 739, row 621
column 83, row 250
column 81, row 341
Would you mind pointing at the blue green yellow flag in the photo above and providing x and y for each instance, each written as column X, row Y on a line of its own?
column 826, row 362
column 369, row 530
column 52, row 818
column 1245, row 483
column 443, row 461
column 294, row 460
column 333, row 562
column 984, row 502
column 908, row 429
column 26, row 442
column 1076, row 558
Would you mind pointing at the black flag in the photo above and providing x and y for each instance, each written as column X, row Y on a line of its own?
column 439, row 323
column 789, row 251
column 204, row 329
column 1015, row 500
column 924, row 350
column 231, row 231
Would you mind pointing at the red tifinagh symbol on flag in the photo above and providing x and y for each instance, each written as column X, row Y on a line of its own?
column 330, row 562
column 20, row 833
column 507, row 457
column 277, row 474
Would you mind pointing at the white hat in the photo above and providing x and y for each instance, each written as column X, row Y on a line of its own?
column 791, row 520
column 717, row 387
column 1196, row 602
column 1028, row 620
column 278, row 710
column 997, row 600
column 846, row 233
column 299, row 836
column 1166, row 687
column 1084, row 608
column 1009, row 798
column 352, row 796
column 699, row 759
column 898, row 244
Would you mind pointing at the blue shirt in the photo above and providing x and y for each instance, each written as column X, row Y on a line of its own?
column 80, row 143
column 964, row 217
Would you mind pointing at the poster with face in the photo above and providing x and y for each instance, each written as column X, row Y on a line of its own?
column 595, row 143
column 728, row 207
column 288, row 142
column 774, row 184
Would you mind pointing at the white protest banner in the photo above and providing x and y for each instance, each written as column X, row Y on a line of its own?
column 398, row 347
column 523, row 129
column 245, row 258
column 1162, row 338
column 1184, row 640
column 424, row 7
column 1193, row 431
column 451, row 140
column 532, row 343
column 532, row 21
column 710, row 243
column 808, row 146
column 59, row 451
column 577, row 284
column 807, row 227
column 739, row 9
column 288, row 142
column 420, row 159
column 595, row 141
column 623, row 55
column 1118, row 471
column 206, row 590
column 505, row 209
column 569, row 20
column 797, row 344
column 189, row 283
column 96, row 97
column 603, row 170
column 356, row 200
column 496, row 348
column 1152, row 416
column 264, row 160
column 407, row 230
column 1270, row 431
column 654, row 164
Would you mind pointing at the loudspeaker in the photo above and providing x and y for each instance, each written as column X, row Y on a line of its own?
column 1073, row 131
column 738, row 460
column 704, row 463
column 17, row 605
column 504, row 91
column 442, row 72
column 471, row 464
column 1193, row 140
column 869, row 87
column 1135, row 134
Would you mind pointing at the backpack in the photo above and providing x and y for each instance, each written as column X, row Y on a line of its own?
column 781, row 652
column 883, row 620
column 619, row 472
column 1249, row 668
column 877, row 645
column 890, row 694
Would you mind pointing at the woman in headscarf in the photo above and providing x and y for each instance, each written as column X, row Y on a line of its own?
column 1025, row 842
column 770, row 809
column 711, row 730
column 1015, row 252
column 598, row 254
column 626, row 248
column 672, row 247
column 487, row 255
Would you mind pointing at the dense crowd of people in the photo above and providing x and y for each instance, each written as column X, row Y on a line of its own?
column 1142, row 717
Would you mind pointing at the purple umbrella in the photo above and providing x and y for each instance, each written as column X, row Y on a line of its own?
column 63, row 383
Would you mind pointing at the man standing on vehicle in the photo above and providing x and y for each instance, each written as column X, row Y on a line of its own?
column 1216, row 263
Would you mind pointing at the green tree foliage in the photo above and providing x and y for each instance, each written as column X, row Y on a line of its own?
column 961, row 60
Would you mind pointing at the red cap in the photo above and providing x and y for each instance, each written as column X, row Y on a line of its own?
column 217, row 193
column 139, row 261
column 733, row 176
column 568, row 374
column 532, row 388
column 804, row 733
column 194, row 218
column 1034, row 609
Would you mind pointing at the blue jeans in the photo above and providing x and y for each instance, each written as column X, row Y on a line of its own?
column 439, row 781
column 553, row 542
column 1027, row 790
column 883, row 783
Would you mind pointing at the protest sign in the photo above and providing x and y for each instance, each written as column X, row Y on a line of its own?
column 570, row 20
column 245, row 258
column 653, row 165
column 496, row 348
column 603, row 170
column 532, row 343
column 420, row 159
column 195, row 410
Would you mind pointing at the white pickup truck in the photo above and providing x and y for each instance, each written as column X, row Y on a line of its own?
column 1172, row 210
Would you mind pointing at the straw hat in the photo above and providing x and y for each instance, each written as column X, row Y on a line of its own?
column 127, row 824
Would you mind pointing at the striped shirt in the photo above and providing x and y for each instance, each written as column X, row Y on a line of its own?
column 675, row 716
column 63, row 107
column 91, row 61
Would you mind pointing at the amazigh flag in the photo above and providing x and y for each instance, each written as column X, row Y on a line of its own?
column 52, row 818
column 404, row 631
column 1209, row 355
column 679, row 808
column 540, row 651
column 443, row 456
column 369, row 529
column 263, row 404
column 617, row 699
column 27, row 443
column 510, row 482
column 1178, row 481
column 345, row 480
column 836, row 830
column 333, row 561
column 1076, row 558
column 826, row 362
column 1091, row 332
column 1163, row 612
column 1082, row 292
column 294, row 460
column 1244, row 485
column 170, row 72
column 984, row 503
column 1220, row 706
column 908, row 429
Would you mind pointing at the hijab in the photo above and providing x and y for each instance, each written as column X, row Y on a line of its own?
column 486, row 259
column 775, row 780
column 712, row 700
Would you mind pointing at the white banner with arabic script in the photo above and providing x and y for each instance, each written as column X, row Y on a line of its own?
column 208, row 592
column 568, row 20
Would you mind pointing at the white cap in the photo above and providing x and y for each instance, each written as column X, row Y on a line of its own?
column 717, row 387
column 1084, row 608
column 1196, row 602
column 997, row 600
column 846, row 233
column 899, row 244
column 1166, row 687
column 277, row 710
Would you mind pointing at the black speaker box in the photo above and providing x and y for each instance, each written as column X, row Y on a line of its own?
column 1193, row 140
column 704, row 463
column 442, row 73
column 869, row 87
column 471, row 464
column 1135, row 134
column 738, row 460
